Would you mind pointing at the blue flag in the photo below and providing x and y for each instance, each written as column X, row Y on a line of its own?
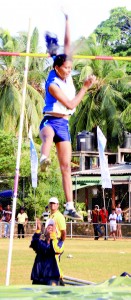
column 105, row 175
column 34, row 161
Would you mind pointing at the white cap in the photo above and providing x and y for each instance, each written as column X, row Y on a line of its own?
column 97, row 206
column 49, row 222
column 53, row 200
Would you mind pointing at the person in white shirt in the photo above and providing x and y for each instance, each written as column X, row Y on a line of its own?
column 46, row 214
column 22, row 220
column 112, row 219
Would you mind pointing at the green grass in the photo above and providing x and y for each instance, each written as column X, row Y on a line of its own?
column 92, row 260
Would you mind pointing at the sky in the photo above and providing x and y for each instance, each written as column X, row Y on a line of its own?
column 84, row 16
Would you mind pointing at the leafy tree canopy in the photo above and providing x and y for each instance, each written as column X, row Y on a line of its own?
column 116, row 31
column 103, row 104
column 11, row 84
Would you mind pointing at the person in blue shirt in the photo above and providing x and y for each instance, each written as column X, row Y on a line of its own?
column 46, row 268
column 60, row 103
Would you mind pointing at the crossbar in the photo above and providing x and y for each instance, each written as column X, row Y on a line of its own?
column 101, row 57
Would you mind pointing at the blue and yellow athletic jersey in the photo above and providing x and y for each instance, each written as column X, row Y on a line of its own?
column 67, row 87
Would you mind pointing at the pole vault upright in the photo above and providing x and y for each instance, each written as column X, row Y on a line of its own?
column 18, row 157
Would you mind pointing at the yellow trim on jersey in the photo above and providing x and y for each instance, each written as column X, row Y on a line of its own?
column 58, row 264
column 56, row 247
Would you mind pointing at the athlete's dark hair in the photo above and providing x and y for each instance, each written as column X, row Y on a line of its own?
column 60, row 59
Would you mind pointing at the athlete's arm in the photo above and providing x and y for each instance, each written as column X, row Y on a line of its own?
column 57, row 93
column 67, row 39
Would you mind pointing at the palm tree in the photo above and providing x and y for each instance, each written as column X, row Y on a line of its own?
column 104, row 103
column 11, row 80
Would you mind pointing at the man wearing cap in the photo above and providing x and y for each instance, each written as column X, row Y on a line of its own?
column 57, row 216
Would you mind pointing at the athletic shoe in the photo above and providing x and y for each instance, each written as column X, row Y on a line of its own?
column 72, row 214
column 44, row 164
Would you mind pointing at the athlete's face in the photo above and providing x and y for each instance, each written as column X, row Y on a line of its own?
column 64, row 71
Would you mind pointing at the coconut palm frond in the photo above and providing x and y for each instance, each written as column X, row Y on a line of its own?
column 126, row 117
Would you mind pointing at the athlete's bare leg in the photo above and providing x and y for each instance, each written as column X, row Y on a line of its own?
column 46, row 135
column 64, row 157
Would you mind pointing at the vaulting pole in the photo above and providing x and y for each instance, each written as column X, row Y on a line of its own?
column 18, row 158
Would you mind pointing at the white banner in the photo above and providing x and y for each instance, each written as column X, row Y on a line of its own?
column 105, row 175
column 34, row 161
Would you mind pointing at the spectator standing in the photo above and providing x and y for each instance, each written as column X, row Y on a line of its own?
column 112, row 219
column 103, row 213
column 46, row 269
column 7, row 220
column 57, row 216
column 95, row 221
column 60, row 223
column 119, row 220
column 46, row 214
column 22, row 220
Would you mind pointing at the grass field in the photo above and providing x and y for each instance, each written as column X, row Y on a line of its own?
column 95, row 261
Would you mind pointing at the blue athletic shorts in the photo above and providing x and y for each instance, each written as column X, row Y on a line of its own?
column 60, row 127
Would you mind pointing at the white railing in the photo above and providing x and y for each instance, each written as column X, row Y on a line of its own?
column 74, row 229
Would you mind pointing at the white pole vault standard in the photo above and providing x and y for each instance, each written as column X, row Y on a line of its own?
column 18, row 157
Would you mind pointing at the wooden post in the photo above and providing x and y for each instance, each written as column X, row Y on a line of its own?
column 113, row 196
column 82, row 162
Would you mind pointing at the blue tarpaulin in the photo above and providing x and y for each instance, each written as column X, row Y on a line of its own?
column 6, row 194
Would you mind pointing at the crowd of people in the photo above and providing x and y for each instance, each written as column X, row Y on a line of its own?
column 100, row 219
column 6, row 218
column 98, row 216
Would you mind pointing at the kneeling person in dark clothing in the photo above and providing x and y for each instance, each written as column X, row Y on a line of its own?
column 46, row 268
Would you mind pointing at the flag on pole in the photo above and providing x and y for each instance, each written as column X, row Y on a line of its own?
column 34, row 160
column 105, row 175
